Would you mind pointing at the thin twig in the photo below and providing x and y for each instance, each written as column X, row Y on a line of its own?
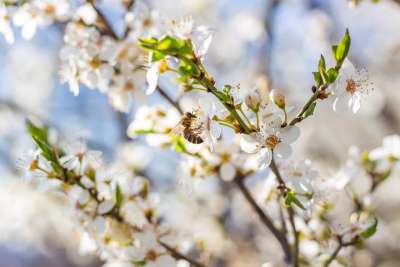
column 296, row 237
column 283, row 188
column 105, row 23
column 264, row 218
column 341, row 245
column 176, row 254
column 169, row 99
column 311, row 100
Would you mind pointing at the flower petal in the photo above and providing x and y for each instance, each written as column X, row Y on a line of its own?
column 249, row 144
column 152, row 78
column 283, row 150
column 227, row 172
column 264, row 158
column 341, row 103
column 289, row 134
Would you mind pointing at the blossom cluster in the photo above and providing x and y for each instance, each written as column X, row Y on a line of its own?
column 231, row 133
column 115, row 211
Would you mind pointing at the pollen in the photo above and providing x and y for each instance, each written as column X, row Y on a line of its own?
column 272, row 141
column 351, row 86
column 49, row 9
column 95, row 63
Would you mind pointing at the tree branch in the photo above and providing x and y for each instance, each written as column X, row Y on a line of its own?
column 176, row 254
column 282, row 187
column 169, row 99
column 341, row 245
column 106, row 25
column 264, row 218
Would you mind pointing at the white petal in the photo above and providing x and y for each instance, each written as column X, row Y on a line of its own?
column 341, row 103
column 215, row 129
column 290, row 134
column 152, row 78
column 73, row 86
column 227, row 172
column 283, row 150
column 249, row 144
column 105, row 206
column 29, row 30
column 166, row 261
column 264, row 158
column 355, row 102
column 100, row 225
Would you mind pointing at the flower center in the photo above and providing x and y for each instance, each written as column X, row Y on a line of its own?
column 225, row 157
column 95, row 63
column 151, row 255
column 49, row 9
column 351, row 86
column 297, row 174
column 272, row 141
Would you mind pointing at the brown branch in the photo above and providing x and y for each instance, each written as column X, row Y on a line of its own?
column 177, row 255
column 296, row 238
column 169, row 99
column 264, row 218
column 341, row 245
column 283, row 189
column 106, row 25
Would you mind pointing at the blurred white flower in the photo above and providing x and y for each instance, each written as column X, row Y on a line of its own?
column 351, row 86
column 5, row 25
column 299, row 175
column 201, row 36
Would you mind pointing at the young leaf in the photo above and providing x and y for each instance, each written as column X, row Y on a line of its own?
column 343, row 48
column 317, row 79
column 310, row 110
column 179, row 143
column 119, row 197
column 332, row 74
column 370, row 231
column 322, row 64
column 291, row 198
column 37, row 132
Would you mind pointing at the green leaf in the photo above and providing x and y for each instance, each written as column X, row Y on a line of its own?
column 322, row 64
column 148, row 43
column 179, row 143
column 343, row 48
column 37, row 132
column 119, row 197
column 188, row 68
column 291, row 198
column 155, row 56
column 317, row 79
column 334, row 48
column 371, row 230
column 332, row 74
column 145, row 131
column 166, row 43
column 310, row 110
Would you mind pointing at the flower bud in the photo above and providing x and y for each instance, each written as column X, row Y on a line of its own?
column 253, row 101
column 278, row 98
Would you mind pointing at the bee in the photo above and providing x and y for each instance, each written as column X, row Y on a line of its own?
column 191, row 128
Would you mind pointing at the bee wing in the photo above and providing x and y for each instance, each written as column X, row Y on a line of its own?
column 178, row 129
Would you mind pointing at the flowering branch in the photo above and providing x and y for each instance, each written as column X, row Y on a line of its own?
column 339, row 247
column 282, row 187
column 181, row 256
column 173, row 103
column 107, row 28
column 239, row 180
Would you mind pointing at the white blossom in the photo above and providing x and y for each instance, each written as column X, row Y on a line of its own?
column 271, row 139
column 349, row 89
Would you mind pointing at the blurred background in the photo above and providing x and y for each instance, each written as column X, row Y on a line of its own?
column 254, row 39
